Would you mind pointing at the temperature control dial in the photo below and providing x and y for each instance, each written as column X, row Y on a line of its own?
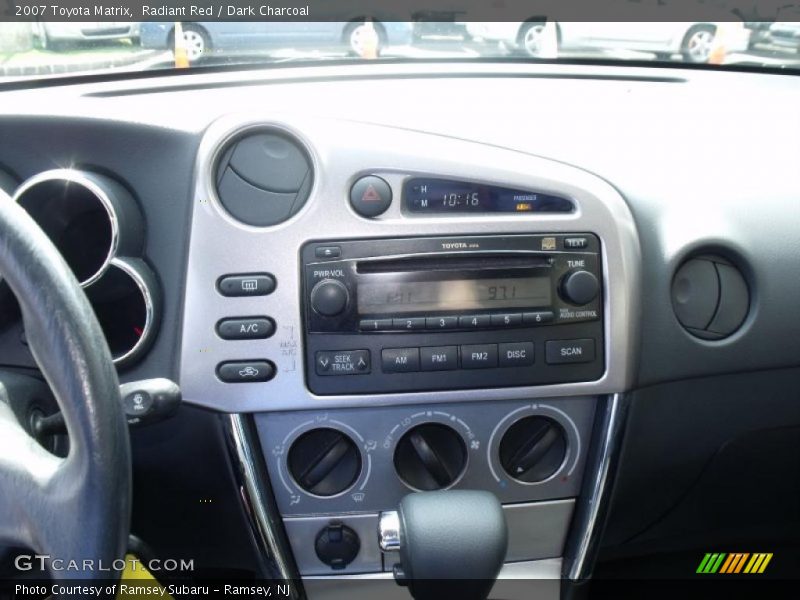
column 324, row 462
column 533, row 449
column 430, row 457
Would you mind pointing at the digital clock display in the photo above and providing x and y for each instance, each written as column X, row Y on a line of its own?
column 456, row 295
column 425, row 195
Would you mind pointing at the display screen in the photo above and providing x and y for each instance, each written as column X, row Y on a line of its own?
column 452, row 295
column 424, row 195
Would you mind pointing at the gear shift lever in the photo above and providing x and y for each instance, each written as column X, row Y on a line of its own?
column 451, row 543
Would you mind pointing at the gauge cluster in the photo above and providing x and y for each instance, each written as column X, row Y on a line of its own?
column 97, row 226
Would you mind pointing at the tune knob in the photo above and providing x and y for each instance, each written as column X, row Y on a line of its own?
column 329, row 297
column 579, row 287
column 533, row 449
column 324, row 462
column 430, row 457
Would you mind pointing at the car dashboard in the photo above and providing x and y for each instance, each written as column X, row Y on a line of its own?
column 275, row 251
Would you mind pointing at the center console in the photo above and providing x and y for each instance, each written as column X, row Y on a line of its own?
column 422, row 314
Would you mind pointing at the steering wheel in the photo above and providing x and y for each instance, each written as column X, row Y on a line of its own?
column 75, row 508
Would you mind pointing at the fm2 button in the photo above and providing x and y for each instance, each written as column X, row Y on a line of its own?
column 342, row 362
column 370, row 196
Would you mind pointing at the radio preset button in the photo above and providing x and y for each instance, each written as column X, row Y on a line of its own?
column 474, row 321
column 516, row 354
column 441, row 322
column 409, row 323
column 479, row 356
column 329, row 297
column 559, row 352
column 440, row 358
column 342, row 362
column 507, row 320
column 537, row 317
column 375, row 324
column 400, row 360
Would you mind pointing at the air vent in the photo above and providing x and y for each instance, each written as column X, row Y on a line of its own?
column 263, row 178
column 710, row 297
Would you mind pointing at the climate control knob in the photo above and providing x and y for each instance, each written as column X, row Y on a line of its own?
column 329, row 297
column 579, row 287
column 430, row 457
column 324, row 462
column 533, row 449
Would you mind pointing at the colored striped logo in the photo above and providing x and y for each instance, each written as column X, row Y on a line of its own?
column 736, row 562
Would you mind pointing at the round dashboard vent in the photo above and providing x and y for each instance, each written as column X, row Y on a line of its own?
column 263, row 178
column 710, row 297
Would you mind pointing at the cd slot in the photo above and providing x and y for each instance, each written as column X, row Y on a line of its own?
column 452, row 263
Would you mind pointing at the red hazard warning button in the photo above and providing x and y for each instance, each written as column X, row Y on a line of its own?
column 370, row 196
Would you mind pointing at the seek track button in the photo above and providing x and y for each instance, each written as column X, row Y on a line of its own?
column 342, row 362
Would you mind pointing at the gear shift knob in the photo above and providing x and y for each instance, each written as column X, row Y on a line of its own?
column 452, row 543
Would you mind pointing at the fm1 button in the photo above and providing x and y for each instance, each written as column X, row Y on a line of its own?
column 370, row 196
column 342, row 362
column 441, row 358
column 558, row 352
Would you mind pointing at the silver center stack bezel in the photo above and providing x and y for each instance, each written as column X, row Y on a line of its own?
column 342, row 151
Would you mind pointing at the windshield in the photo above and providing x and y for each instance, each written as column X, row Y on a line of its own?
column 38, row 45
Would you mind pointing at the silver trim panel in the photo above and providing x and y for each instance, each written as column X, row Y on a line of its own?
column 341, row 152
column 275, row 556
column 595, row 496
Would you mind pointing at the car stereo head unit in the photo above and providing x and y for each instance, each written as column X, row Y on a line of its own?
column 452, row 311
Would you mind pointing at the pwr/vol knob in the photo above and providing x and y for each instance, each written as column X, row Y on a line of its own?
column 329, row 297
column 533, row 449
column 324, row 462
